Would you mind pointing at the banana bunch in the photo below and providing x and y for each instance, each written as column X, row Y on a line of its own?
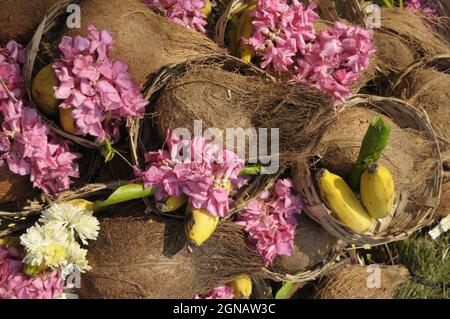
column 241, row 27
column 377, row 197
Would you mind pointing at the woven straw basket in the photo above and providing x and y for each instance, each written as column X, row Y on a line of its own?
column 401, row 222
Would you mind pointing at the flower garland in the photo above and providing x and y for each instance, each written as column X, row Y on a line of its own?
column 286, row 40
column 196, row 168
column 270, row 221
column 27, row 145
column 219, row 292
column 187, row 13
column 101, row 93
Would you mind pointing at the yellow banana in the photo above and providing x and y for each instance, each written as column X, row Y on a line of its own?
column 172, row 203
column 81, row 203
column 201, row 225
column 341, row 200
column 242, row 287
column 43, row 93
column 66, row 121
column 206, row 10
column 377, row 190
column 245, row 30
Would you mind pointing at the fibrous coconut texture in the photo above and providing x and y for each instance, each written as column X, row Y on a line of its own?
column 407, row 155
column 19, row 19
column 144, row 40
column 13, row 187
column 404, row 37
column 313, row 247
column 147, row 257
column 430, row 89
column 225, row 99
column 360, row 282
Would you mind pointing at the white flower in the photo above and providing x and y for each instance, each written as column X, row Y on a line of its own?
column 75, row 218
column 46, row 245
column 77, row 257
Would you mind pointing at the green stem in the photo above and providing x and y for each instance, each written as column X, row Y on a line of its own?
column 388, row 3
column 124, row 194
column 401, row 4
column 254, row 169
column 285, row 291
column 372, row 147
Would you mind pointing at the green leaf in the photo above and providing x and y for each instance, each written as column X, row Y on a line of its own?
column 254, row 169
column 124, row 194
column 284, row 291
column 108, row 151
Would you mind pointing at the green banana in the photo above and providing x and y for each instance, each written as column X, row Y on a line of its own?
column 341, row 200
column 377, row 190
column 372, row 147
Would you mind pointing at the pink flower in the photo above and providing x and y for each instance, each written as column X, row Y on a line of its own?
column 219, row 292
column 196, row 168
column 16, row 285
column 270, row 221
column 101, row 93
column 184, row 12
column 27, row 145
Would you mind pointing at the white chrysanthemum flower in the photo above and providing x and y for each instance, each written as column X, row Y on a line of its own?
column 75, row 218
column 46, row 244
column 77, row 257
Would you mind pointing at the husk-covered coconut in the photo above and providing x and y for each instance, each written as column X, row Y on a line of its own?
column 13, row 187
column 223, row 97
column 143, row 39
column 19, row 19
column 143, row 257
column 429, row 89
column 443, row 209
column 360, row 282
column 313, row 247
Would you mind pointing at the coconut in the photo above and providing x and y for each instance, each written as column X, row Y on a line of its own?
column 312, row 247
column 13, row 187
column 147, row 257
column 143, row 39
column 408, row 154
column 443, row 209
column 356, row 282
column 430, row 90
column 19, row 19
column 225, row 99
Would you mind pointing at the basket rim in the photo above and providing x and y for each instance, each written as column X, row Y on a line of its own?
column 316, row 209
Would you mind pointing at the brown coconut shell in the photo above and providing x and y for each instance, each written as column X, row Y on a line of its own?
column 19, row 19
column 224, row 98
column 148, row 258
column 143, row 39
column 13, row 187
column 313, row 247
column 407, row 155
column 443, row 209
column 351, row 282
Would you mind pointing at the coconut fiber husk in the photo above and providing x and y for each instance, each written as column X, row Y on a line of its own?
column 443, row 209
column 314, row 253
column 143, row 39
column 13, row 187
column 358, row 282
column 225, row 92
column 412, row 155
column 19, row 19
column 148, row 257
column 429, row 89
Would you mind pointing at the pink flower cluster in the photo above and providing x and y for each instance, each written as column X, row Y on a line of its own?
column 184, row 12
column 336, row 59
column 429, row 10
column 219, row 292
column 100, row 92
column 16, row 285
column 286, row 40
column 26, row 143
column 196, row 168
column 270, row 221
